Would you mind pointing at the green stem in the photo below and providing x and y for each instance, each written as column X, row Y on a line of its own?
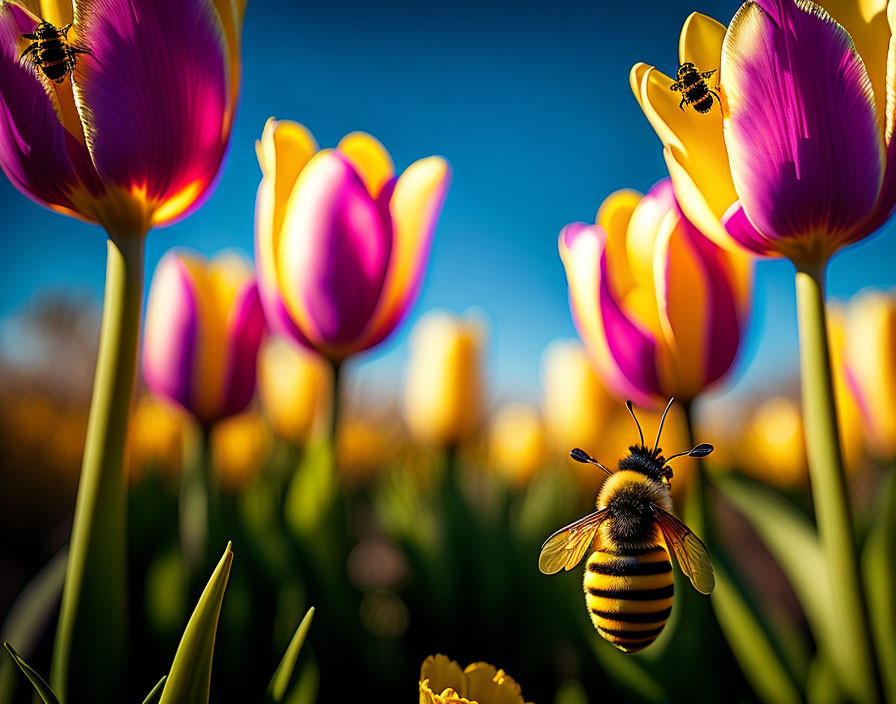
column 829, row 489
column 196, row 501
column 89, row 651
column 336, row 402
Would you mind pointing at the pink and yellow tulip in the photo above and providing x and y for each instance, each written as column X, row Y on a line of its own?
column 798, row 160
column 341, row 243
column 659, row 306
column 135, row 137
column 204, row 325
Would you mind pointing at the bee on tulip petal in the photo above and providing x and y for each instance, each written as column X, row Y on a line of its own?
column 628, row 580
column 51, row 51
column 694, row 91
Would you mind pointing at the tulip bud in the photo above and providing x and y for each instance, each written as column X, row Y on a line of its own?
column 576, row 405
column 774, row 450
column 294, row 390
column 204, row 324
column 443, row 389
column 517, row 442
column 239, row 446
column 871, row 361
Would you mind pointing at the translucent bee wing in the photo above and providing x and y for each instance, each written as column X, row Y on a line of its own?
column 691, row 553
column 566, row 548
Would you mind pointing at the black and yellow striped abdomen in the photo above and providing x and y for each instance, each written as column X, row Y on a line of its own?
column 629, row 594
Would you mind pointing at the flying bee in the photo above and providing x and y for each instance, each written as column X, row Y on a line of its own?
column 694, row 91
column 628, row 579
column 51, row 51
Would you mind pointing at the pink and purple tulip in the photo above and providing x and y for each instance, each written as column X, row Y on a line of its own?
column 799, row 159
column 341, row 242
column 204, row 325
column 659, row 306
column 135, row 136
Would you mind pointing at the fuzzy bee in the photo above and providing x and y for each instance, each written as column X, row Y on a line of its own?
column 628, row 579
column 694, row 91
column 51, row 51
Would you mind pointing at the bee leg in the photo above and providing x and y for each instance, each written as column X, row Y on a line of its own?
column 675, row 86
column 717, row 96
column 79, row 50
column 30, row 35
column 707, row 74
column 32, row 48
column 64, row 30
column 681, row 104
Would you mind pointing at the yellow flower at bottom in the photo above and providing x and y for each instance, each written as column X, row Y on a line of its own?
column 443, row 682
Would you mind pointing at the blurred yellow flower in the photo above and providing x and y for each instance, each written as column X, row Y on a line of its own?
column 443, row 682
column 363, row 448
column 517, row 442
column 576, row 405
column 294, row 390
column 774, row 448
column 849, row 411
column 443, row 388
column 239, row 445
column 156, row 438
column 871, row 361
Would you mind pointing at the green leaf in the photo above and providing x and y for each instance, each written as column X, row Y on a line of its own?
column 29, row 615
column 190, row 677
column 791, row 539
column 40, row 686
column 156, row 692
column 282, row 677
column 312, row 490
column 879, row 568
column 751, row 644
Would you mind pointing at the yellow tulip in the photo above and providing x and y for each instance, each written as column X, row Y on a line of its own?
column 576, row 405
column 443, row 389
column 517, row 442
column 775, row 448
column 871, row 362
column 442, row 681
column 849, row 410
column 239, row 445
column 294, row 389
column 156, row 438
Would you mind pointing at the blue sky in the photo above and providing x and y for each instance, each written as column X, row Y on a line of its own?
column 530, row 102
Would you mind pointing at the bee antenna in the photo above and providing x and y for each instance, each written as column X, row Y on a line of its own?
column 702, row 450
column 662, row 421
column 628, row 405
column 583, row 457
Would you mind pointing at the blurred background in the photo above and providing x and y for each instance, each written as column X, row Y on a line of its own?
column 530, row 102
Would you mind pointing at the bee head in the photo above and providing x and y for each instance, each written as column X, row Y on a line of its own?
column 651, row 462
column 685, row 68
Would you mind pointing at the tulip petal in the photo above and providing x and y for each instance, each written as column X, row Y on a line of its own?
column 814, row 169
column 370, row 159
column 415, row 206
column 614, row 340
column 697, row 306
column 739, row 227
column 614, row 216
column 244, row 331
column 171, row 329
column 333, row 258
column 32, row 139
column 697, row 139
column 153, row 98
column 283, row 150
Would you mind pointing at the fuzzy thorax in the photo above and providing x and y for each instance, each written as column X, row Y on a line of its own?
column 631, row 522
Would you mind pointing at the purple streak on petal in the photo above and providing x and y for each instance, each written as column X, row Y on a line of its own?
column 154, row 93
column 724, row 324
column 339, row 249
column 802, row 132
column 245, row 330
column 633, row 351
column 169, row 343
column 738, row 225
column 32, row 140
